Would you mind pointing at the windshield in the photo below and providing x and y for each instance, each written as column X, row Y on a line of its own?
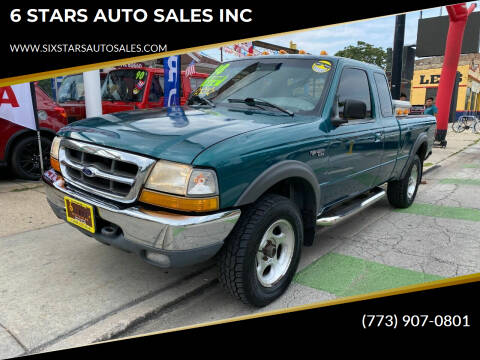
column 293, row 84
column 71, row 89
column 125, row 85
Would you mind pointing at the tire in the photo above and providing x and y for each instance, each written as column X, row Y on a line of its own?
column 25, row 159
column 401, row 193
column 476, row 127
column 458, row 126
column 261, row 254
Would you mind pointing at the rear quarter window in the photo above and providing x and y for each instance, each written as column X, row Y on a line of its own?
column 383, row 94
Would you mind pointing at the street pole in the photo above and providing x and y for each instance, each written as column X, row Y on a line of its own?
column 37, row 126
column 397, row 55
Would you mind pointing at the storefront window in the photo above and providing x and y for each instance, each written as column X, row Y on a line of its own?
column 431, row 93
column 473, row 104
column 467, row 98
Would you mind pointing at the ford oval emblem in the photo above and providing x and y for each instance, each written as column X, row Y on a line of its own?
column 87, row 172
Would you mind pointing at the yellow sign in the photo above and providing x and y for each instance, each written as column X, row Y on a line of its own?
column 431, row 77
column 424, row 79
column 322, row 66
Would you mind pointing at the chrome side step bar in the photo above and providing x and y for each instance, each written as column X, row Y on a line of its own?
column 355, row 207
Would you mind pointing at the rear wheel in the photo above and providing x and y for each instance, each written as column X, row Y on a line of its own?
column 25, row 160
column 401, row 193
column 476, row 127
column 261, row 254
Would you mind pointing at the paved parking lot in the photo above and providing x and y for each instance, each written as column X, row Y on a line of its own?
column 60, row 288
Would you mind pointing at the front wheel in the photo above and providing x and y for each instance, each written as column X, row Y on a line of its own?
column 401, row 193
column 261, row 255
column 458, row 126
column 25, row 160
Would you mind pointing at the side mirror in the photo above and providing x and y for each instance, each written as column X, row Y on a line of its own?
column 354, row 109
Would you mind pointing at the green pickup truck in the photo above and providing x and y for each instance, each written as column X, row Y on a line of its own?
column 267, row 149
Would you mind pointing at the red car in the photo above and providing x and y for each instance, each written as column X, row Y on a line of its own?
column 19, row 145
column 124, row 89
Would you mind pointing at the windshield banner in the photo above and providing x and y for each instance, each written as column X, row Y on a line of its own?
column 171, row 66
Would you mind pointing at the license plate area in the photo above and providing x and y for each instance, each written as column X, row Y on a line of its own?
column 80, row 214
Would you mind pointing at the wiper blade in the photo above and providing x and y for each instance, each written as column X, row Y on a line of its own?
column 260, row 102
column 201, row 100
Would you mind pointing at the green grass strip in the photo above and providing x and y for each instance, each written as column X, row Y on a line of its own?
column 344, row 275
column 448, row 212
column 471, row 166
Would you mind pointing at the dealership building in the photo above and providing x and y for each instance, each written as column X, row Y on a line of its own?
column 426, row 77
column 429, row 51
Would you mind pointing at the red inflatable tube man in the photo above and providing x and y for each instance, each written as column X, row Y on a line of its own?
column 458, row 20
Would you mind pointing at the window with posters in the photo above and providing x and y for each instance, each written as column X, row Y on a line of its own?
column 125, row 85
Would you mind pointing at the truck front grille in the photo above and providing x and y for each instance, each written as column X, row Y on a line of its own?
column 105, row 172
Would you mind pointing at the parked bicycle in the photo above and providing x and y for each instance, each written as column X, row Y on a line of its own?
column 467, row 122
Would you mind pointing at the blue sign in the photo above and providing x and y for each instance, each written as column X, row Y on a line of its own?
column 171, row 66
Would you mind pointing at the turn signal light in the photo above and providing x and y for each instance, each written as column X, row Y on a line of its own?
column 55, row 164
column 178, row 202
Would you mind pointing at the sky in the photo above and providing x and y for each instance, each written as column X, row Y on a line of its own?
column 378, row 32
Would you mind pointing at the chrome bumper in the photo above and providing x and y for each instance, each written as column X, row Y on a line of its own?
column 191, row 239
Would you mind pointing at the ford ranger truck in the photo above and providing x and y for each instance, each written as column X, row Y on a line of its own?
column 267, row 149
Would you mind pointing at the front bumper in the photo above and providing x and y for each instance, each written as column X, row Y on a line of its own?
column 160, row 238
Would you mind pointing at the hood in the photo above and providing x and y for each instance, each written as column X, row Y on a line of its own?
column 177, row 133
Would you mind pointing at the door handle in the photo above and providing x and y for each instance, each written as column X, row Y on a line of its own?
column 378, row 137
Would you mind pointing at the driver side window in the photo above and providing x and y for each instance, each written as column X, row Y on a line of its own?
column 156, row 90
column 354, row 85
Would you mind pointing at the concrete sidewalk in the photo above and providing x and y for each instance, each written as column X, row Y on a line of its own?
column 59, row 287
column 456, row 142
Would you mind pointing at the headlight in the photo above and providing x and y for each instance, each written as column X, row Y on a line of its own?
column 198, row 187
column 169, row 177
column 181, row 179
column 54, row 153
column 55, row 147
